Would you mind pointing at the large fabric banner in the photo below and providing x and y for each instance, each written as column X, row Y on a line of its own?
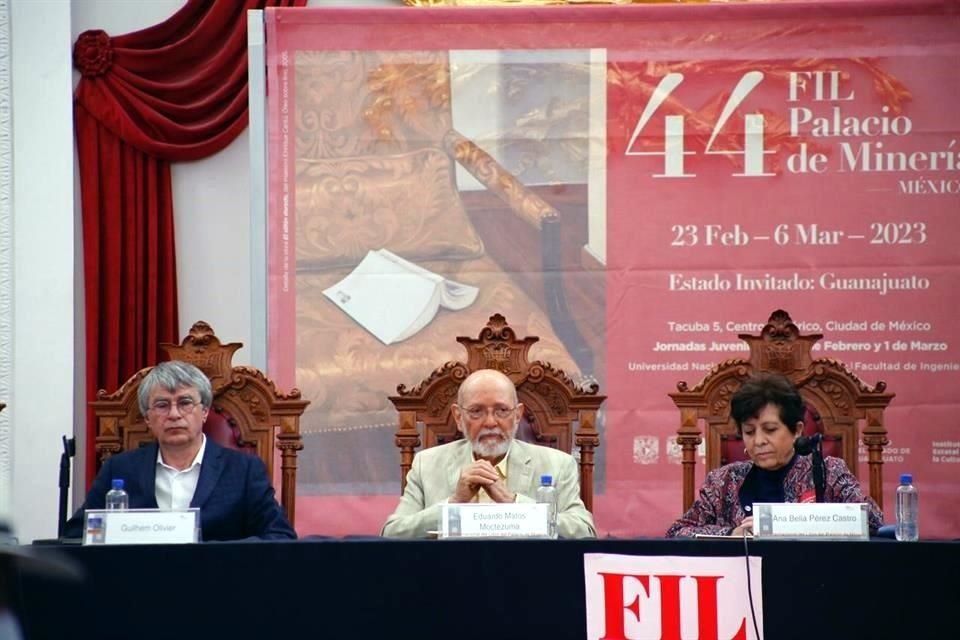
column 706, row 164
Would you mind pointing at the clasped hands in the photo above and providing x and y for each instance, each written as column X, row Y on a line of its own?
column 480, row 474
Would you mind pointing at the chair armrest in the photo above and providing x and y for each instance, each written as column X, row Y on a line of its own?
column 529, row 206
column 535, row 211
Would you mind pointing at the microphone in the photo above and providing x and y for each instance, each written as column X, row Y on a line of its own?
column 804, row 445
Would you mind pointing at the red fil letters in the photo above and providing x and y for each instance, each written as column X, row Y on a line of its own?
column 671, row 598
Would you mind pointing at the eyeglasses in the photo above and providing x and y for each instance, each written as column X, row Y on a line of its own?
column 478, row 413
column 184, row 406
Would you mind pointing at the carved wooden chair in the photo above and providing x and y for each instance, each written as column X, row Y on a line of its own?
column 248, row 411
column 840, row 404
column 557, row 412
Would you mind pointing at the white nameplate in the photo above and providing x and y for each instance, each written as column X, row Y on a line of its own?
column 811, row 520
column 494, row 519
column 141, row 526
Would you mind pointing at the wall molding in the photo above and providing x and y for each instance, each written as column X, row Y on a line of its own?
column 6, row 262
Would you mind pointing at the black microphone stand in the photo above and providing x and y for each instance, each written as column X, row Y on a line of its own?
column 819, row 470
column 69, row 450
column 813, row 446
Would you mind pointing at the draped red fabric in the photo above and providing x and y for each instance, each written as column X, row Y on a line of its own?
column 175, row 91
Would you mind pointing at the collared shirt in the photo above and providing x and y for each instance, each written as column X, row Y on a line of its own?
column 501, row 467
column 175, row 488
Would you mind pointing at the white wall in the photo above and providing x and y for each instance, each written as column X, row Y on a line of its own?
column 41, row 403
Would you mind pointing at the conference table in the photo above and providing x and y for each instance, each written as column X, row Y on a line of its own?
column 507, row 589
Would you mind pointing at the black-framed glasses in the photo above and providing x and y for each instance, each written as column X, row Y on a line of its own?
column 499, row 412
column 184, row 405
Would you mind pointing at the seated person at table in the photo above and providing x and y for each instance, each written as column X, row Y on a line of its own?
column 184, row 468
column 487, row 465
column 768, row 411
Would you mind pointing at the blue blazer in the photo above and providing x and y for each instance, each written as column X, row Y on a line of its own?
column 233, row 493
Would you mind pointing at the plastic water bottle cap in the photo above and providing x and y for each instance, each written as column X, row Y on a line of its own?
column 117, row 483
column 906, row 478
column 546, row 480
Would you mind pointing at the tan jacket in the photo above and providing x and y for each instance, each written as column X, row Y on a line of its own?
column 435, row 472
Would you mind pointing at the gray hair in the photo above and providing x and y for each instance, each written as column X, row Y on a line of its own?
column 169, row 376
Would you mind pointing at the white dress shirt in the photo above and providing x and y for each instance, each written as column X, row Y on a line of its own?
column 175, row 488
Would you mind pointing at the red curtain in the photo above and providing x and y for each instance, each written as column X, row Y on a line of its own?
column 172, row 92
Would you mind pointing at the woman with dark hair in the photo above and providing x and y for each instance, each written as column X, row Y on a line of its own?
column 768, row 411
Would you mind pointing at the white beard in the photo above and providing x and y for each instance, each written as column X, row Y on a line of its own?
column 495, row 448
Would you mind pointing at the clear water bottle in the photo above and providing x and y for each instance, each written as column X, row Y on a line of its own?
column 908, row 510
column 547, row 493
column 117, row 498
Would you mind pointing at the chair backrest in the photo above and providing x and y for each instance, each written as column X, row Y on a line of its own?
column 839, row 404
column 557, row 412
column 731, row 444
column 248, row 411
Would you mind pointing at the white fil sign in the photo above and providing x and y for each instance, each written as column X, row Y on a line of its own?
column 634, row 597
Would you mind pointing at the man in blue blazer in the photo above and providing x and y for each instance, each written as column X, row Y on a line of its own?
column 186, row 469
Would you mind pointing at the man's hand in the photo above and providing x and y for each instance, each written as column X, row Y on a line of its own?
column 477, row 475
column 498, row 491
